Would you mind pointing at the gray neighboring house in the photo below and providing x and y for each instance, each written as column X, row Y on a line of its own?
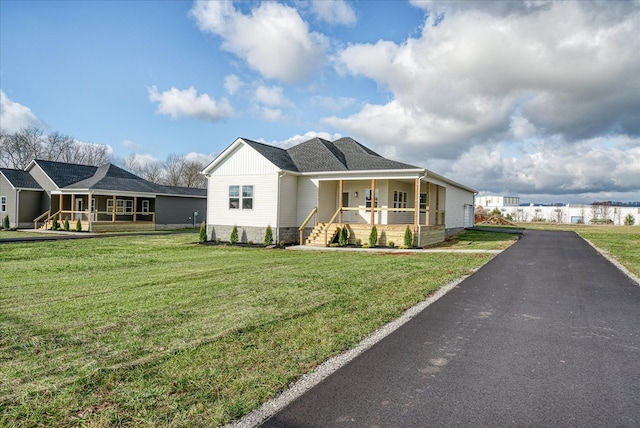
column 104, row 198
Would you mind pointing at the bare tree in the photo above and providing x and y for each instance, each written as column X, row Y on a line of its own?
column 20, row 148
column 150, row 171
column 174, row 169
column 192, row 175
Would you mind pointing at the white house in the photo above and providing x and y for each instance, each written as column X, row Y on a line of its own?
column 305, row 193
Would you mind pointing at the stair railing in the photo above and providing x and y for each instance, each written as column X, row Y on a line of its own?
column 40, row 217
column 313, row 212
column 326, row 230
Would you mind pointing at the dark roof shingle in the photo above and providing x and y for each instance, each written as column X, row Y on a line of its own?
column 20, row 179
column 319, row 155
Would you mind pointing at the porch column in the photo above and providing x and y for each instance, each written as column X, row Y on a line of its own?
column 135, row 208
column 373, row 201
column 340, row 187
column 416, row 210
column 113, row 213
column 73, row 205
column 60, row 207
column 437, row 204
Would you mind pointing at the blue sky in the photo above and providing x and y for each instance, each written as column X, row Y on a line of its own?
column 535, row 99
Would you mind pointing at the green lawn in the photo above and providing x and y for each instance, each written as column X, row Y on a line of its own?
column 160, row 331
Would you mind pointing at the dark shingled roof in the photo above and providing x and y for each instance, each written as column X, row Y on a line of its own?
column 20, row 179
column 279, row 157
column 64, row 174
column 108, row 177
column 319, row 155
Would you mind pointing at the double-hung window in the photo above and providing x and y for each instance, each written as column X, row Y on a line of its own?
column 399, row 199
column 423, row 201
column 241, row 197
column 247, row 197
column 367, row 198
column 145, row 207
column 3, row 203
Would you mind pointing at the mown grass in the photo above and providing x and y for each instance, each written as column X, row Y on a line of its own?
column 621, row 242
column 159, row 331
column 479, row 240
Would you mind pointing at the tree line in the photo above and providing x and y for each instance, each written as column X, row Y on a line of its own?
column 18, row 149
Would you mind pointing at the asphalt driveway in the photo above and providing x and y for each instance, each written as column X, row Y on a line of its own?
column 547, row 334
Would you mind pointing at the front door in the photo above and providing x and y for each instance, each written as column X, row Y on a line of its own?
column 79, row 208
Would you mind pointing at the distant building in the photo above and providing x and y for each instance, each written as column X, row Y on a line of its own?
column 492, row 201
column 596, row 213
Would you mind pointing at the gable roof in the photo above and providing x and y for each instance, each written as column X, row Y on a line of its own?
column 68, row 176
column 320, row 155
column 63, row 174
column 20, row 179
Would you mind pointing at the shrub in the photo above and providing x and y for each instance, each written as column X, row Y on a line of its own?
column 203, row 232
column 54, row 224
column 392, row 244
column 344, row 237
column 78, row 226
column 5, row 222
column 629, row 220
column 373, row 236
column 66, row 224
column 268, row 236
column 408, row 238
column 234, row 235
column 358, row 242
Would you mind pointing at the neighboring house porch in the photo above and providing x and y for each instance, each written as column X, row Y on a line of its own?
column 100, row 213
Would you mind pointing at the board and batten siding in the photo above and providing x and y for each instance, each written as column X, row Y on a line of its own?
column 244, row 160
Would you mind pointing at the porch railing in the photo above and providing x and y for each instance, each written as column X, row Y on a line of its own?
column 313, row 212
column 40, row 217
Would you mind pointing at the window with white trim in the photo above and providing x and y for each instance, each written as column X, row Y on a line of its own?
column 247, row 197
column 128, row 206
column 241, row 200
column 423, row 201
column 109, row 205
column 367, row 198
column 145, row 207
column 399, row 199
column 119, row 206
column 3, row 203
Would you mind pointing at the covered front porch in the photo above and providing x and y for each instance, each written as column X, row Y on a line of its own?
column 390, row 204
column 99, row 212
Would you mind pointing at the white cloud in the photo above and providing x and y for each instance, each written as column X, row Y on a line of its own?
column 272, row 96
column 272, row 114
column 177, row 103
column 273, row 39
column 557, row 76
column 14, row 116
column 199, row 157
column 297, row 139
column 334, row 11
column 232, row 84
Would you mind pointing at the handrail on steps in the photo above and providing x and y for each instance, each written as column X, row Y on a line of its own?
column 306, row 220
column 326, row 230
column 37, row 219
